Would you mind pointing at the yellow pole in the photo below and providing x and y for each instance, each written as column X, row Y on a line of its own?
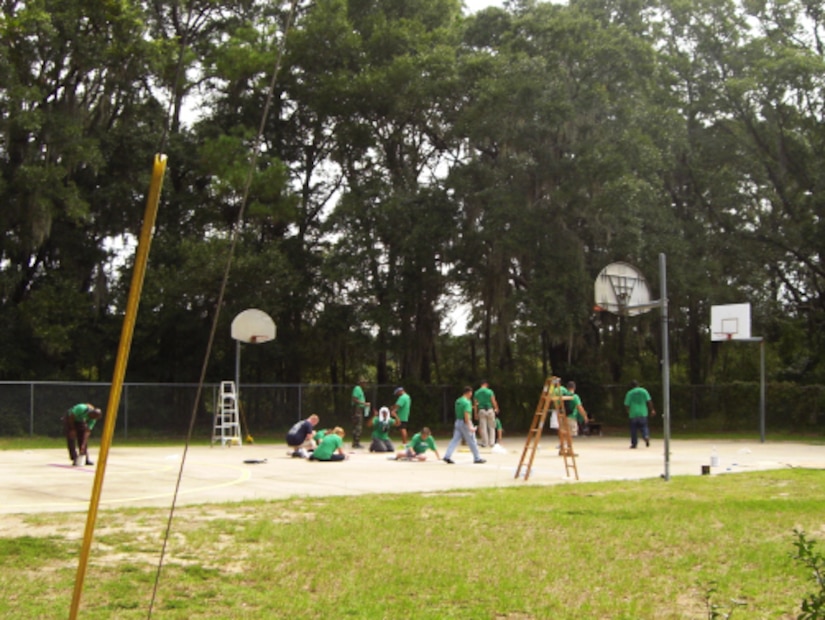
column 141, row 258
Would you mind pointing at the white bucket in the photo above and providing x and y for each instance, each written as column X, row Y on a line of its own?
column 714, row 460
column 79, row 461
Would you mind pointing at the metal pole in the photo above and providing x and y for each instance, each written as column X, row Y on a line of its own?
column 665, row 363
column 238, row 372
column 31, row 410
column 133, row 301
column 762, row 390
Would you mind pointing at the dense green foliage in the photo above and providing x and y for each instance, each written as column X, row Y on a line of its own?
column 416, row 157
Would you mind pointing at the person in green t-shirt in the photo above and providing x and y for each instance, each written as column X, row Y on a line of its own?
column 416, row 450
column 639, row 406
column 485, row 406
column 360, row 410
column 381, row 425
column 463, row 428
column 402, row 408
column 576, row 414
column 77, row 426
column 331, row 447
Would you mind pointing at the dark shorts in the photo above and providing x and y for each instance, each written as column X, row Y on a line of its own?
column 295, row 440
column 403, row 424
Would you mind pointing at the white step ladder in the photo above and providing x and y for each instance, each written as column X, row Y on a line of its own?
column 227, row 427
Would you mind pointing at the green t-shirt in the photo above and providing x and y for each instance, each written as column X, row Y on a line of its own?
column 484, row 397
column 81, row 414
column 636, row 400
column 420, row 445
column 498, row 424
column 403, row 403
column 462, row 406
column 328, row 446
column 358, row 397
column 319, row 436
column 381, row 430
column 572, row 408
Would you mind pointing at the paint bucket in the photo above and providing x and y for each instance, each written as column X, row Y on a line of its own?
column 705, row 470
column 714, row 460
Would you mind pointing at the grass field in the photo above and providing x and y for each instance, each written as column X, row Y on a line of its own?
column 698, row 547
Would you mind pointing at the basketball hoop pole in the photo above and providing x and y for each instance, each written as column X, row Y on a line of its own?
column 665, row 363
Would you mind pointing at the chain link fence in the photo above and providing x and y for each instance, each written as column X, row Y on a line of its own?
column 165, row 410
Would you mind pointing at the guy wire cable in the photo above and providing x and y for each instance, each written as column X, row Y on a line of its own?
column 219, row 303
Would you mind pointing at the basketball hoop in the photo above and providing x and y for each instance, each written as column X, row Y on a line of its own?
column 253, row 326
column 620, row 288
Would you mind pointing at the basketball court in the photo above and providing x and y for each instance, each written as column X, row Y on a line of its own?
column 44, row 481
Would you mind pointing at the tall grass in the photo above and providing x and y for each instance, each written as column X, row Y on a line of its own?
column 624, row 550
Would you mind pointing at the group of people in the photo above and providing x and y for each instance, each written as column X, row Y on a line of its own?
column 306, row 441
column 481, row 405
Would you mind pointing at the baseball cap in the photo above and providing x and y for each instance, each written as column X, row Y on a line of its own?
column 398, row 390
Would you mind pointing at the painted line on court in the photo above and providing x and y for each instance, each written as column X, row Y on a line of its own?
column 245, row 474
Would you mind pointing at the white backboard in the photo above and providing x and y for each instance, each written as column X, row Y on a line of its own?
column 254, row 326
column 620, row 288
column 730, row 322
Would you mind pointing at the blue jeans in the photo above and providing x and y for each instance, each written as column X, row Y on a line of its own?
column 461, row 431
column 636, row 425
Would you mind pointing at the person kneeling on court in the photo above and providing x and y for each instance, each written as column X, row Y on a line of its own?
column 416, row 450
column 381, row 425
column 330, row 448
column 300, row 436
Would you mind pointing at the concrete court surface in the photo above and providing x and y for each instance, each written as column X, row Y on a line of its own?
column 44, row 481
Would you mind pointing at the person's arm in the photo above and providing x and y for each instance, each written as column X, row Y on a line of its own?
column 468, row 422
column 584, row 413
column 475, row 409
column 650, row 408
column 495, row 403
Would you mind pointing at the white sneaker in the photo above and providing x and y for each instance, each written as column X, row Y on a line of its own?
column 303, row 453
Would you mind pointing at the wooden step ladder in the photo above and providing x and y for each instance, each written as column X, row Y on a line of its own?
column 551, row 399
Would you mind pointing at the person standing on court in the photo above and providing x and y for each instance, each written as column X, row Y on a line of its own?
column 401, row 408
column 463, row 428
column 77, row 426
column 639, row 406
column 485, row 406
column 360, row 410
column 574, row 408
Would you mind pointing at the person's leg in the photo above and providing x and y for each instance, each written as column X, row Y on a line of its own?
column 645, row 431
column 71, row 437
column 487, row 422
column 82, row 432
column 337, row 457
column 470, row 440
column 491, row 428
column 634, row 437
column 357, row 421
column 454, row 441
column 86, row 434
column 403, row 427
column 482, row 426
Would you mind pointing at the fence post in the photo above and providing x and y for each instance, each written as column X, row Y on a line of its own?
column 31, row 410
